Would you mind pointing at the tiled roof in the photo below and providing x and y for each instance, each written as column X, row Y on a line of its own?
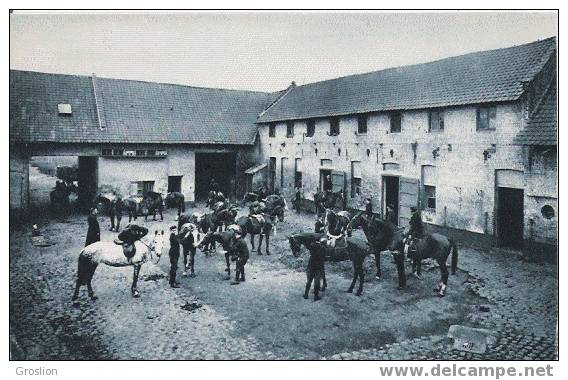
column 542, row 126
column 488, row 76
column 132, row 111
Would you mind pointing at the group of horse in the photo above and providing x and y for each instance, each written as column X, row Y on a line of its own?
column 332, row 240
column 213, row 225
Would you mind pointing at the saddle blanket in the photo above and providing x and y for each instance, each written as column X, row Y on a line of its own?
column 259, row 218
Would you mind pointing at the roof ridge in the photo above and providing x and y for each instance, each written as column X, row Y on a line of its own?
column 434, row 61
column 146, row 81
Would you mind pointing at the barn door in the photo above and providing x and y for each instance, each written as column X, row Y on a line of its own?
column 408, row 195
column 337, row 181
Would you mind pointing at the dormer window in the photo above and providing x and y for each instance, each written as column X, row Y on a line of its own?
column 289, row 129
column 271, row 130
column 64, row 109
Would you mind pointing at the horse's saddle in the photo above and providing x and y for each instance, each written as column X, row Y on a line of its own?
column 336, row 242
column 259, row 218
column 129, row 250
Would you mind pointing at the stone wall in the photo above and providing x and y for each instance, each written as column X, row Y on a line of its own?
column 464, row 158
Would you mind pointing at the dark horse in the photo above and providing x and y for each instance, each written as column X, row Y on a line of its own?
column 316, row 264
column 176, row 200
column 227, row 239
column 112, row 205
column 435, row 246
column 379, row 234
column 349, row 248
column 152, row 203
column 256, row 225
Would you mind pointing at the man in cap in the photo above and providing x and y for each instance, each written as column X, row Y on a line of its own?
column 174, row 256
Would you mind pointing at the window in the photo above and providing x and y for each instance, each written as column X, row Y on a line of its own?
column 334, row 126
column 107, row 152
column 64, row 109
column 436, row 121
column 272, row 130
column 289, row 129
column 429, row 186
column 430, row 196
column 117, row 152
column 141, row 188
column 355, row 178
column 547, row 211
column 151, row 152
column 141, row 152
column 362, row 124
column 310, row 128
column 486, row 117
column 395, row 122
column 298, row 174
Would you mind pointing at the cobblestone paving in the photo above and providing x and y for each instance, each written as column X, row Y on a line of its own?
column 521, row 299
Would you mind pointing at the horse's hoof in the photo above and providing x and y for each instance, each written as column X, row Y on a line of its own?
column 268, row 253
column 317, row 299
column 378, row 277
column 192, row 275
column 227, row 278
column 135, row 293
column 358, row 294
column 440, row 294
column 306, row 296
column 235, row 282
column 349, row 290
column 260, row 253
column 184, row 274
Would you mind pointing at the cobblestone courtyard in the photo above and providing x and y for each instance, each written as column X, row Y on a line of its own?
column 266, row 317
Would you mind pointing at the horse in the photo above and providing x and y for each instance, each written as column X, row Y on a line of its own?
column 256, row 225
column 379, row 234
column 111, row 254
column 189, row 237
column 213, row 197
column 176, row 200
column 152, row 202
column 205, row 223
column 251, row 197
column 435, row 246
column 315, row 270
column 336, row 223
column 226, row 216
column 227, row 240
column 353, row 249
column 59, row 197
column 133, row 206
column 275, row 207
column 112, row 205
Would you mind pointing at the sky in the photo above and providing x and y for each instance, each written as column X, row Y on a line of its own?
column 257, row 51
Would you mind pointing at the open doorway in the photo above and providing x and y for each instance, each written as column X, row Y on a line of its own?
column 174, row 184
column 220, row 167
column 326, row 183
column 390, row 197
column 510, row 217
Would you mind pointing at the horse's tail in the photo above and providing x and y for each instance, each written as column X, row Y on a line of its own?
column 454, row 249
column 85, row 268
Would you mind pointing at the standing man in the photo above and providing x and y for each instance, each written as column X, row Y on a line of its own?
column 297, row 199
column 174, row 257
column 369, row 207
column 94, row 231
column 214, row 186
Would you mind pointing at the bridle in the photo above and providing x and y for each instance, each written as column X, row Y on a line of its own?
column 151, row 249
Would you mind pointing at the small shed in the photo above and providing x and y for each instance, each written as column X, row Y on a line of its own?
column 256, row 176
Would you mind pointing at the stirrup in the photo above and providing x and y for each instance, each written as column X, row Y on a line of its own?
column 118, row 242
